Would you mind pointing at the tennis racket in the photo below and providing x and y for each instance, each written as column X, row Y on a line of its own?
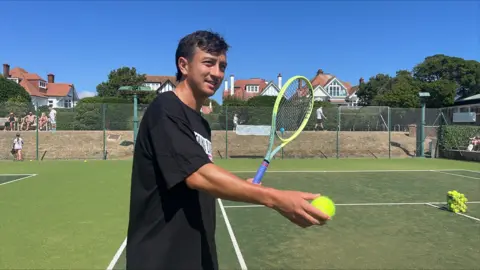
column 292, row 109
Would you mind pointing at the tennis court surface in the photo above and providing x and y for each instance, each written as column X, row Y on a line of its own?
column 389, row 216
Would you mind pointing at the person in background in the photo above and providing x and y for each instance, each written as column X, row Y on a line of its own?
column 30, row 120
column 42, row 122
column 53, row 117
column 17, row 147
column 320, row 117
column 11, row 120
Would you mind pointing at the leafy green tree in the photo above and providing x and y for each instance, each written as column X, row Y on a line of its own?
column 123, row 76
column 401, row 93
column 465, row 73
column 368, row 91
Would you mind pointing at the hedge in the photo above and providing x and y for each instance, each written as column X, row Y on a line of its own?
column 456, row 136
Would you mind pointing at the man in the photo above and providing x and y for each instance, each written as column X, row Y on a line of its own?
column 53, row 118
column 320, row 117
column 174, row 181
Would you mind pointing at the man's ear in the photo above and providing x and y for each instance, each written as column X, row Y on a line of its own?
column 183, row 65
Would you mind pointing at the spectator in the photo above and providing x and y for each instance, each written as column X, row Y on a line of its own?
column 17, row 147
column 53, row 117
column 42, row 122
column 235, row 122
column 30, row 120
column 11, row 120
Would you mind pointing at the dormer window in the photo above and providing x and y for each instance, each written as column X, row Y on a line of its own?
column 14, row 79
column 252, row 88
column 43, row 84
column 335, row 90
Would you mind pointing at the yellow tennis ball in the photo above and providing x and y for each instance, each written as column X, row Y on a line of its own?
column 324, row 204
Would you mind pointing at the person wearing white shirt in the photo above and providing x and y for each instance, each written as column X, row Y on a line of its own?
column 52, row 115
column 17, row 147
column 235, row 122
column 320, row 118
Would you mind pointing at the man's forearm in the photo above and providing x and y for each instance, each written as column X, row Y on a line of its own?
column 225, row 185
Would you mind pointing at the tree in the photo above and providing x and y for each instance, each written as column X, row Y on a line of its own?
column 368, row 91
column 10, row 89
column 465, row 73
column 402, row 92
column 123, row 76
column 14, row 98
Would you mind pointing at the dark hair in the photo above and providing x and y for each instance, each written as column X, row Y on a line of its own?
column 207, row 41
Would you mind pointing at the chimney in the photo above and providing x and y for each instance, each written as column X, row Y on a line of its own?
column 279, row 80
column 6, row 70
column 361, row 81
column 320, row 71
column 226, row 86
column 232, row 79
column 51, row 78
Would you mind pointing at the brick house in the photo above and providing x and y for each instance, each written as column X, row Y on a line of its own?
column 43, row 92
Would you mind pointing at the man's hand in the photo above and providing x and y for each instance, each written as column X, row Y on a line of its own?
column 250, row 180
column 294, row 206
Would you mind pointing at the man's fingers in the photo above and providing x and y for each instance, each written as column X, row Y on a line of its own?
column 313, row 211
column 310, row 196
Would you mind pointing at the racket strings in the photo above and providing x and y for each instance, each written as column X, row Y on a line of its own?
column 293, row 108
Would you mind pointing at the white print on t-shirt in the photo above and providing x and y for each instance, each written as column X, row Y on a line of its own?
column 206, row 145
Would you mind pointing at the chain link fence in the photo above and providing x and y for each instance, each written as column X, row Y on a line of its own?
column 105, row 131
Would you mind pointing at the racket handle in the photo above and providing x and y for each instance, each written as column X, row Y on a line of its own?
column 258, row 177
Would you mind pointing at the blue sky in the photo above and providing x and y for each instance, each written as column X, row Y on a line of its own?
column 81, row 42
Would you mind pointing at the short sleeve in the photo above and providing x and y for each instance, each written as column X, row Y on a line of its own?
column 176, row 150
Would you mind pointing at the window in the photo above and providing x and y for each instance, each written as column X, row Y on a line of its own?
column 336, row 90
column 67, row 103
column 252, row 88
column 42, row 84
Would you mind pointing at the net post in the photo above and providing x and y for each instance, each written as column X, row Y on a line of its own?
column 226, row 131
column 389, row 120
column 338, row 131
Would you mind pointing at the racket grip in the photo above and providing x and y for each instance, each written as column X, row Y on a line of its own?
column 258, row 177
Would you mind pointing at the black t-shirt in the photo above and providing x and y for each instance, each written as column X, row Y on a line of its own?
column 171, row 226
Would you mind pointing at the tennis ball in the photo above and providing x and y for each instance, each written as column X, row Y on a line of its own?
column 324, row 204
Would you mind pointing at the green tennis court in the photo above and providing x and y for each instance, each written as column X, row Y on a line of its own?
column 69, row 214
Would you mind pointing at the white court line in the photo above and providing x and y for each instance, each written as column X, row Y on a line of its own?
column 232, row 236
column 117, row 255
column 354, row 171
column 29, row 175
column 459, row 175
column 354, row 204
column 461, row 214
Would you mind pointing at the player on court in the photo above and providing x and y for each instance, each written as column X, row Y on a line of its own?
column 320, row 118
column 174, row 181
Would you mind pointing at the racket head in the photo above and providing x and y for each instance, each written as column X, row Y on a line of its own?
column 292, row 108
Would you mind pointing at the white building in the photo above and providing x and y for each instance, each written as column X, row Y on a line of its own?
column 43, row 93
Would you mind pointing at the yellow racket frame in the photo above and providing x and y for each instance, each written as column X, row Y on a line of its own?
column 270, row 154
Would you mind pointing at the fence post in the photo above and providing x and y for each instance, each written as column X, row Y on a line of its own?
column 389, row 132
column 338, row 130
column 104, row 131
column 36, row 131
column 226, row 132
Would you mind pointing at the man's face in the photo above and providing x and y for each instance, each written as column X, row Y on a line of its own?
column 205, row 72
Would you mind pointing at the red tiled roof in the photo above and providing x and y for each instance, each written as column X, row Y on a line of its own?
column 240, row 88
column 30, row 81
column 324, row 79
column 58, row 89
